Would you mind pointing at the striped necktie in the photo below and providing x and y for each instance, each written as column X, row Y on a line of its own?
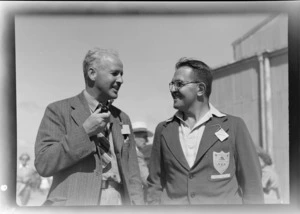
column 104, row 145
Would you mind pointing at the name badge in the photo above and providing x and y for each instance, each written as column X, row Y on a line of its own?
column 222, row 135
column 213, row 177
column 125, row 130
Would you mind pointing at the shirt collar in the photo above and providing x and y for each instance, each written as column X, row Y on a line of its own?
column 215, row 111
column 212, row 111
column 92, row 102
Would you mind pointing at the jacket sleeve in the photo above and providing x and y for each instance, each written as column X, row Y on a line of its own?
column 249, row 173
column 156, row 179
column 55, row 148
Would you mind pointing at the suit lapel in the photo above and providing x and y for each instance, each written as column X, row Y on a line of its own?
column 80, row 109
column 117, row 136
column 171, row 136
column 209, row 138
column 81, row 112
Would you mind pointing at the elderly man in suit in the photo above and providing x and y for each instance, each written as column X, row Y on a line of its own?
column 87, row 144
column 200, row 155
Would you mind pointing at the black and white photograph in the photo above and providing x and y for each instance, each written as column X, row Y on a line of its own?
column 149, row 107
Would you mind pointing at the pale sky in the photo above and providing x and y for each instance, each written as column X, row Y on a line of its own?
column 50, row 50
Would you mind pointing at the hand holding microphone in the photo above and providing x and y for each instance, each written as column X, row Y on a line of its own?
column 97, row 121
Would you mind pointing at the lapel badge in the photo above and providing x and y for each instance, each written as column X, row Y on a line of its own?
column 125, row 129
column 221, row 134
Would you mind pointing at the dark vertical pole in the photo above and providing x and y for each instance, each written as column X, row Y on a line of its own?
column 294, row 96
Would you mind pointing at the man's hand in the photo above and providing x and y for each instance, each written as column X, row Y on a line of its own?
column 96, row 122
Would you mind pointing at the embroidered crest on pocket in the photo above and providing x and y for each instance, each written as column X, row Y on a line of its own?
column 221, row 161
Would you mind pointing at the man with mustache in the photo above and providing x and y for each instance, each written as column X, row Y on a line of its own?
column 87, row 144
column 200, row 155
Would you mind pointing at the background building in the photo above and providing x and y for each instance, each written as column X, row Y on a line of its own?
column 255, row 87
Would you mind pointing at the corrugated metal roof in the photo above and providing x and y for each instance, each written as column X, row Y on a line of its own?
column 245, row 60
column 271, row 34
column 256, row 28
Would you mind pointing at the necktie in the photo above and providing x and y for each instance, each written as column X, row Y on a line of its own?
column 104, row 145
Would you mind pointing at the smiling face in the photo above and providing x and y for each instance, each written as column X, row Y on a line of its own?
column 186, row 96
column 108, row 77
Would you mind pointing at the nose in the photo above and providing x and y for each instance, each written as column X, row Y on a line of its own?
column 173, row 89
column 120, row 79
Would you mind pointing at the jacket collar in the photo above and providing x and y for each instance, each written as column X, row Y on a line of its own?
column 171, row 136
column 212, row 111
column 80, row 109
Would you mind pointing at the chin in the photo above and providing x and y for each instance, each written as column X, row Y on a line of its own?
column 113, row 96
column 176, row 106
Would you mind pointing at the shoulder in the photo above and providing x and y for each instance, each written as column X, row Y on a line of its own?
column 61, row 107
column 235, row 121
column 163, row 124
column 234, row 118
column 62, row 103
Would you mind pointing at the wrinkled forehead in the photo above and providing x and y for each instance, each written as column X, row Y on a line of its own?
column 111, row 60
column 183, row 73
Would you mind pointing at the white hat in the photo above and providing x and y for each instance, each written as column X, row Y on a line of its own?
column 141, row 127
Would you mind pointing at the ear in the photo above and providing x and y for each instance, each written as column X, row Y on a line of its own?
column 201, row 89
column 92, row 74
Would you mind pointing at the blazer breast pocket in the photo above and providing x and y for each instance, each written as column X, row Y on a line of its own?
column 222, row 166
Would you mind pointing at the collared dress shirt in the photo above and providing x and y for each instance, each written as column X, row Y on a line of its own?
column 190, row 137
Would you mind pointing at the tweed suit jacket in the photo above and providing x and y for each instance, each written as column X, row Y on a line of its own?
column 172, row 181
column 64, row 150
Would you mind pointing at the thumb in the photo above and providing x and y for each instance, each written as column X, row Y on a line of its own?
column 106, row 114
column 97, row 111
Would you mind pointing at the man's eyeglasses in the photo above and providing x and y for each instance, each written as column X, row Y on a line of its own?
column 179, row 84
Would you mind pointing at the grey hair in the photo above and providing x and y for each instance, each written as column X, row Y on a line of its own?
column 95, row 55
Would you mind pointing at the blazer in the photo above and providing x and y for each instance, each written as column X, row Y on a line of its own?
column 64, row 150
column 224, row 172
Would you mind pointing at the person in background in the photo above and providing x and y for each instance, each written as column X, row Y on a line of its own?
column 200, row 155
column 141, row 135
column 87, row 144
column 45, row 184
column 25, row 180
column 270, row 180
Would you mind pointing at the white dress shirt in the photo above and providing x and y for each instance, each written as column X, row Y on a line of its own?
column 190, row 137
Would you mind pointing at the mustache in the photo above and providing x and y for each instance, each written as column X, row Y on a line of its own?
column 176, row 94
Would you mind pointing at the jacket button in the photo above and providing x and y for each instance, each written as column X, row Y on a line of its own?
column 193, row 195
column 191, row 176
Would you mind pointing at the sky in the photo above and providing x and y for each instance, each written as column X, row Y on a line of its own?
column 50, row 50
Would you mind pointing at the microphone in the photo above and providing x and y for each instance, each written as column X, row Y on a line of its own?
column 105, row 108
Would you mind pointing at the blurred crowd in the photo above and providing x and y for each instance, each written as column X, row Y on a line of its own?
column 31, row 187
